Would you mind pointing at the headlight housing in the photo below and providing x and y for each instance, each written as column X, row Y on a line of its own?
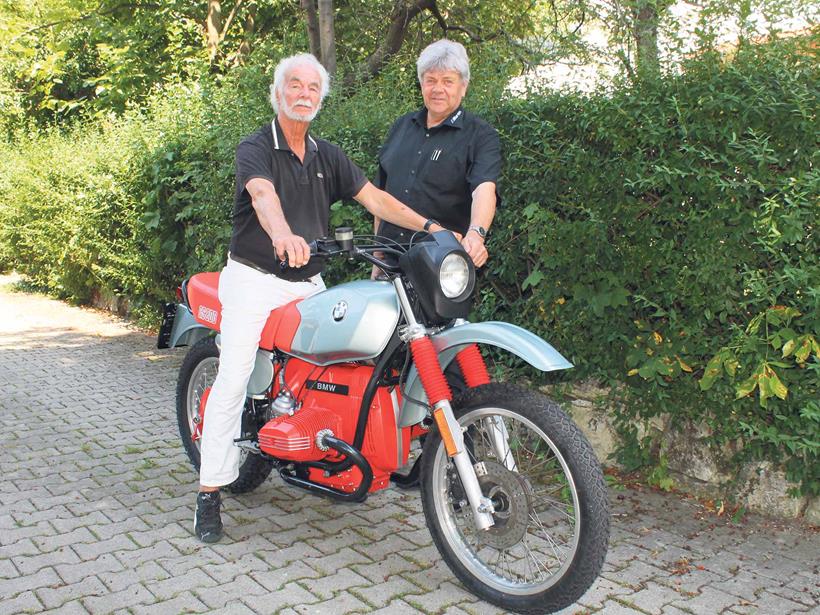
column 453, row 275
column 442, row 275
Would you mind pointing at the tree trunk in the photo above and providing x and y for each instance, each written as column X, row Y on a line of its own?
column 312, row 27
column 327, row 35
column 213, row 29
column 248, row 29
column 403, row 13
column 645, row 30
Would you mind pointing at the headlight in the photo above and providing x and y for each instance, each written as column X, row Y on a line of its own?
column 454, row 275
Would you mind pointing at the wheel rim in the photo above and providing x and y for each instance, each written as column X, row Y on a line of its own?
column 537, row 517
column 202, row 377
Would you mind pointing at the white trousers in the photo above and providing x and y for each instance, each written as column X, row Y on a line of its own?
column 247, row 297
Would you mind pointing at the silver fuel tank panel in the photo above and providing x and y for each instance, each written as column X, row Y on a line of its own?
column 349, row 322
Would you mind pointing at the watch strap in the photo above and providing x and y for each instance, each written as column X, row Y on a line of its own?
column 430, row 223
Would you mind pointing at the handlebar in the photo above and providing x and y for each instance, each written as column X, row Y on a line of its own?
column 344, row 244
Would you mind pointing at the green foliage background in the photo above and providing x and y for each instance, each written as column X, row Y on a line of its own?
column 663, row 235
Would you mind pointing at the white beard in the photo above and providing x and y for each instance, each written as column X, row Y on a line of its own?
column 291, row 112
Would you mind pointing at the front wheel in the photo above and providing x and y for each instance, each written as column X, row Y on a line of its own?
column 196, row 376
column 551, row 519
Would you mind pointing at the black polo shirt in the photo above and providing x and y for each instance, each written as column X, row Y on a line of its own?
column 435, row 170
column 306, row 191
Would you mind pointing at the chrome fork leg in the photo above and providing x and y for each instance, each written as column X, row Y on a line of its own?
column 450, row 429
column 500, row 439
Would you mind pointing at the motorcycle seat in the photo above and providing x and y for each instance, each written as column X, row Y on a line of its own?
column 203, row 299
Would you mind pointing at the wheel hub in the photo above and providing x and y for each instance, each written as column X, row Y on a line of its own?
column 512, row 506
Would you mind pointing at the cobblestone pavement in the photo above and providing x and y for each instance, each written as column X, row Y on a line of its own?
column 96, row 511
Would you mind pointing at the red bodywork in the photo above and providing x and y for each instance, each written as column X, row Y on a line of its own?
column 203, row 298
column 329, row 398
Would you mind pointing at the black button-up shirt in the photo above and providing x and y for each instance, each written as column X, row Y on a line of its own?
column 435, row 170
column 306, row 190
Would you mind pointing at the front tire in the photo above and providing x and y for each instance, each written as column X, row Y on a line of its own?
column 551, row 528
column 196, row 375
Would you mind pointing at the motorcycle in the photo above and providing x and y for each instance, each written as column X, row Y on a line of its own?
column 347, row 381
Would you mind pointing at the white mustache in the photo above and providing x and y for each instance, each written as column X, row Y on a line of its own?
column 303, row 103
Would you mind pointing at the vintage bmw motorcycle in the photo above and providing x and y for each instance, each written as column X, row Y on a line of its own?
column 346, row 380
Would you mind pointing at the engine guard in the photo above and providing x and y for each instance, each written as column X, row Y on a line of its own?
column 449, row 342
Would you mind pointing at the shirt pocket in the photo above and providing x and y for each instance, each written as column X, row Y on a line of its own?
column 447, row 169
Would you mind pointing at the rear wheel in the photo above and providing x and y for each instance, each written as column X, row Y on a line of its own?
column 196, row 376
column 551, row 529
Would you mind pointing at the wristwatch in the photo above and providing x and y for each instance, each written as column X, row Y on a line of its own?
column 430, row 223
column 482, row 232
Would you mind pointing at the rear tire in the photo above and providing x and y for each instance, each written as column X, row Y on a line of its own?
column 198, row 373
column 551, row 528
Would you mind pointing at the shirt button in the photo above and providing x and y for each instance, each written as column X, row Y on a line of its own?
column 419, row 152
column 427, row 135
column 412, row 172
column 406, row 191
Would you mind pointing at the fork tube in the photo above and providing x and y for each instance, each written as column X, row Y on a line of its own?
column 438, row 392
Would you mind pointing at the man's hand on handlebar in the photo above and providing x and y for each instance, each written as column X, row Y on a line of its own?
column 292, row 249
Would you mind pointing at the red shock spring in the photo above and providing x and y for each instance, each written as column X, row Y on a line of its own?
column 432, row 378
column 472, row 366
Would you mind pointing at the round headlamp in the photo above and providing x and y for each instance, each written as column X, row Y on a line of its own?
column 453, row 275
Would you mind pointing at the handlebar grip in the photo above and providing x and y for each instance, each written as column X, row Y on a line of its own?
column 314, row 250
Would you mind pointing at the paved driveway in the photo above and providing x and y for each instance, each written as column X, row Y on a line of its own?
column 96, row 510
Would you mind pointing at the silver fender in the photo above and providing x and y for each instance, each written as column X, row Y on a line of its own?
column 186, row 331
column 449, row 342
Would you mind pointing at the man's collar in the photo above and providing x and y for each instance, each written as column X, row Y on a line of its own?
column 456, row 118
column 280, row 142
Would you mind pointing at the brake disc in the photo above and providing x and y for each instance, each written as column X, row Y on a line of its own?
column 511, row 502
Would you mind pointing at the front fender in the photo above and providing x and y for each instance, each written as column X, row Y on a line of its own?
column 449, row 342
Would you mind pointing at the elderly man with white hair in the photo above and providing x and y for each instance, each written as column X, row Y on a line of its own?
column 443, row 161
column 286, row 181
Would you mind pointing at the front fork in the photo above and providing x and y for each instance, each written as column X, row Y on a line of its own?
column 438, row 392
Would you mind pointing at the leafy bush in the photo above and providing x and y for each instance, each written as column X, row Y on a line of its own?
column 662, row 235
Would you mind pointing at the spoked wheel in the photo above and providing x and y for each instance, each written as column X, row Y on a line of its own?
column 551, row 520
column 196, row 377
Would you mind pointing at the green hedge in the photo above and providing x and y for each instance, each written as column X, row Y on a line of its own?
column 662, row 236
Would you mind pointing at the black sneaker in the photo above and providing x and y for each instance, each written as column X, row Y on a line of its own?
column 207, row 522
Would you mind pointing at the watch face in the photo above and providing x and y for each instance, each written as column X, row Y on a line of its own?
column 480, row 230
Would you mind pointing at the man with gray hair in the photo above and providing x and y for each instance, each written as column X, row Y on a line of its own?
column 443, row 161
column 286, row 181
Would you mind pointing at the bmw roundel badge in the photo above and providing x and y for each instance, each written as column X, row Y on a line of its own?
column 339, row 311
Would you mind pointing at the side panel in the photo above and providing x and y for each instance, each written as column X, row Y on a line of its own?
column 185, row 331
column 511, row 338
column 349, row 322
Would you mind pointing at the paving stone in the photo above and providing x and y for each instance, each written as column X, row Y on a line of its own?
column 767, row 602
column 383, row 593
column 59, row 594
column 146, row 574
column 180, row 604
column 398, row 607
column 708, row 600
column 218, row 596
column 75, row 607
column 28, row 565
column 325, row 587
column 446, row 595
column 22, row 603
column 276, row 579
column 132, row 596
column 343, row 602
column 176, row 585
column 653, row 597
column 291, row 594
column 75, row 572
